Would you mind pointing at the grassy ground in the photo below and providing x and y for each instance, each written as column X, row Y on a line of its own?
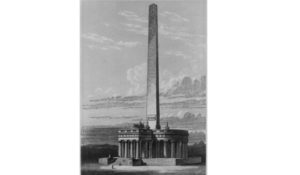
column 95, row 169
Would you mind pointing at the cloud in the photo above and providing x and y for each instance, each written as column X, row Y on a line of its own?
column 194, row 62
column 169, row 80
column 128, row 44
column 137, row 78
column 97, row 38
column 131, row 16
column 103, row 93
column 178, row 54
column 176, row 32
column 138, row 29
column 106, row 24
column 104, row 47
column 174, row 17
column 173, row 30
column 105, row 43
column 167, row 84
column 170, row 31
column 187, row 86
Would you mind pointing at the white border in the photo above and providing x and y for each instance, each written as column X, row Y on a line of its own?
column 253, row 85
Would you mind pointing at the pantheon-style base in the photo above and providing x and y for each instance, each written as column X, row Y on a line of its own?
column 147, row 144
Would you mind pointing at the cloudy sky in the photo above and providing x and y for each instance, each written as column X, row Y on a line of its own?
column 114, row 45
column 114, row 37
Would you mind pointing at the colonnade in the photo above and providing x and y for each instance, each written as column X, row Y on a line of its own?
column 153, row 149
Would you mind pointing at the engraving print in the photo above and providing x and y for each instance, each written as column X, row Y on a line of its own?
column 143, row 87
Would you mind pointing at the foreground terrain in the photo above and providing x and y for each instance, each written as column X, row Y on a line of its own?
column 95, row 169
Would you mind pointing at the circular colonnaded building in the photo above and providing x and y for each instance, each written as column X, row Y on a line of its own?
column 144, row 142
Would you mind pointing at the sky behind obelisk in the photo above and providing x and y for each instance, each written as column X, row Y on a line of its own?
column 114, row 38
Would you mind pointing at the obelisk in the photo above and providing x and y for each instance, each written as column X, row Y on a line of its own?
column 153, row 71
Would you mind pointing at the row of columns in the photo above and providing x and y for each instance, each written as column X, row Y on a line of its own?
column 153, row 149
column 130, row 149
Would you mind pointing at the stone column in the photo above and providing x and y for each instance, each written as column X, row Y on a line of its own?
column 183, row 150
column 123, row 148
column 186, row 151
column 147, row 149
column 140, row 149
column 143, row 151
column 165, row 149
column 131, row 149
column 157, row 149
column 172, row 149
column 119, row 151
column 168, row 149
column 134, row 150
column 124, row 143
column 179, row 149
column 161, row 145
column 153, row 149
column 137, row 155
column 126, row 149
column 150, row 149
column 120, row 148
column 161, row 149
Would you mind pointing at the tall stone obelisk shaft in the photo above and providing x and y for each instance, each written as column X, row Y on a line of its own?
column 153, row 71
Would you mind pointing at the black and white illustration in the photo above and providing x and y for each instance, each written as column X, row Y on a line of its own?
column 143, row 87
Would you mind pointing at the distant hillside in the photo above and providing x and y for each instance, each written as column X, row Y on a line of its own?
column 98, row 136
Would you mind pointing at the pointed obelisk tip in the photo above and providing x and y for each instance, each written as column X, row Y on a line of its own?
column 153, row 4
